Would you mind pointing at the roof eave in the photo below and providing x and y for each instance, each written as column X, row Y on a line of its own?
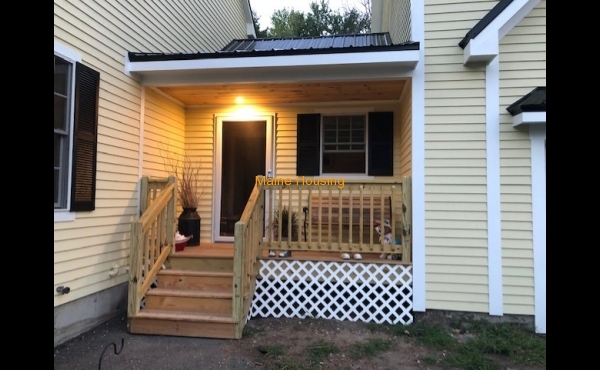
column 484, row 46
column 529, row 118
column 335, row 66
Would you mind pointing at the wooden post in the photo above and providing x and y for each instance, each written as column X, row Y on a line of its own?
column 135, row 273
column 171, row 219
column 143, row 194
column 406, row 219
column 238, row 270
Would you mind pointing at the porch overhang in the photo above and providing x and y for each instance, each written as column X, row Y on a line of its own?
column 530, row 109
column 344, row 66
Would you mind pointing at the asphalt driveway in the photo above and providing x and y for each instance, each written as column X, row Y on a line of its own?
column 144, row 351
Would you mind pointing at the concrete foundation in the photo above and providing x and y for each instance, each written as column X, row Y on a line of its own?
column 77, row 317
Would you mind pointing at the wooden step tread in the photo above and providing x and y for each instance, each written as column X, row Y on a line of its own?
column 204, row 293
column 180, row 272
column 185, row 316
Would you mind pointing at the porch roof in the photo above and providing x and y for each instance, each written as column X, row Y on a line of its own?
column 530, row 109
column 366, row 57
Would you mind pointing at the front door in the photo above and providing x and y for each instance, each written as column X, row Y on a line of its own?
column 241, row 156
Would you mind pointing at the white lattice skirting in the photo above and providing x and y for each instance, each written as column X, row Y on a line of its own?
column 354, row 291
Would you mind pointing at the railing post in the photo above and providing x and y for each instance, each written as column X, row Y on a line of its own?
column 135, row 271
column 143, row 194
column 238, row 271
column 406, row 219
column 171, row 214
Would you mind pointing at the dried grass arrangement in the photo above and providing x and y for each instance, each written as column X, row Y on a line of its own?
column 188, row 171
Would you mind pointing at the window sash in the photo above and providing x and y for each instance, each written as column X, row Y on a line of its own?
column 63, row 80
column 350, row 143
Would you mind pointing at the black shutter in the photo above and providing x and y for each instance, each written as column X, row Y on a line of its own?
column 85, row 135
column 381, row 144
column 307, row 150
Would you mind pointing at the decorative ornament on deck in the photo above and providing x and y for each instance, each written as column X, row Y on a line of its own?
column 181, row 241
column 387, row 239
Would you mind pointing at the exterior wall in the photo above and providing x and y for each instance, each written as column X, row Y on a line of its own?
column 522, row 68
column 456, row 264
column 200, row 140
column 87, row 249
column 164, row 133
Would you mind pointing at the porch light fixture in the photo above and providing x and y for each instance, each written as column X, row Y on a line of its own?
column 239, row 100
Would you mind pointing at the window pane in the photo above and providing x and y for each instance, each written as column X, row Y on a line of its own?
column 61, row 75
column 344, row 163
column 358, row 136
column 56, row 150
column 60, row 112
column 343, row 147
column 330, row 147
column 330, row 137
column 343, row 136
column 358, row 147
column 56, row 180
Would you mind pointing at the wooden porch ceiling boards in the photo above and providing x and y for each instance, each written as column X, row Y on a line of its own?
column 288, row 93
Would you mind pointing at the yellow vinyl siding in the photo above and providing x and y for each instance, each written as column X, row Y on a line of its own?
column 522, row 68
column 86, row 249
column 199, row 139
column 455, row 162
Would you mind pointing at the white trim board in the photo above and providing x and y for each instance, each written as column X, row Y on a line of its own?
column 494, row 226
column 418, row 158
column 537, row 135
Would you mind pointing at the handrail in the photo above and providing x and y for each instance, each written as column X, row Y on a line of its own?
column 248, row 236
column 152, row 238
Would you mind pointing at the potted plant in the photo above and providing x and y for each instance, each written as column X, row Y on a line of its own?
column 187, row 170
column 286, row 217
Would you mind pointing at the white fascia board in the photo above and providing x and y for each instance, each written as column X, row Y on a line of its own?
column 341, row 66
column 529, row 118
column 405, row 56
column 485, row 46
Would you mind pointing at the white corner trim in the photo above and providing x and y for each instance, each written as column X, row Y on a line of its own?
column 537, row 135
column 528, row 118
column 141, row 144
column 418, row 158
column 492, row 138
column 64, row 216
column 485, row 46
column 66, row 53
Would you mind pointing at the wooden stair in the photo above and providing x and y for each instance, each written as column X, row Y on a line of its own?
column 193, row 297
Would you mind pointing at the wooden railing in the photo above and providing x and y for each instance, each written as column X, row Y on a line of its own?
column 331, row 218
column 248, row 238
column 152, row 237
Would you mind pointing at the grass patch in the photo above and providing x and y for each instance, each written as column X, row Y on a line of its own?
column 429, row 360
column 514, row 341
column 287, row 364
column 370, row 348
column 432, row 336
column 273, row 351
column 320, row 350
column 250, row 331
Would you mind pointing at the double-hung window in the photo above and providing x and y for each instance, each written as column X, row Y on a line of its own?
column 76, row 92
column 356, row 144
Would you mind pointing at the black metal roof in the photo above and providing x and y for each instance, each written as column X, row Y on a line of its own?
column 535, row 101
column 369, row 42
column 310, row 42
column 484, row 22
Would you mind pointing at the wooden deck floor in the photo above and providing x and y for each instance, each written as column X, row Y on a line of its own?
column 225, row 250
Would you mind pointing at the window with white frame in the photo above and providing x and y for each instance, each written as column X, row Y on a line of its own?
column 344, row 144
column 76, row 96
column 63, row 96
